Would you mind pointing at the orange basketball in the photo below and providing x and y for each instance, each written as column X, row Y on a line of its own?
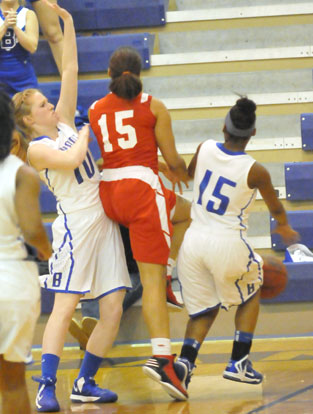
column 275, row 277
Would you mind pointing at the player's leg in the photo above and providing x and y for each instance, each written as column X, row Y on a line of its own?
column 81, row 330
column 153, row 280
column 52, row 346
column 51, row 29
column 200, row 296
column 181, row 221
column 100, row 342
column 160, row 367
column 196, row 331
column 13, row 388
column 239, row 367
column 247, row 314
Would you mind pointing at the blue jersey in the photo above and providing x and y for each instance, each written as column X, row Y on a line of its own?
column 16, row 70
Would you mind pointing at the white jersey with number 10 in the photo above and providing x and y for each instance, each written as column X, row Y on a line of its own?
column 78, row 189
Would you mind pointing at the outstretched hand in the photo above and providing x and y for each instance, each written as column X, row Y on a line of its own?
column 171, row 176
column 287, row 233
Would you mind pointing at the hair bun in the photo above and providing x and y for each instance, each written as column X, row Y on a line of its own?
column 246, row 105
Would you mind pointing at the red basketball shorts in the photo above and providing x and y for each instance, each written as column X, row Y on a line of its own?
column 136, row 197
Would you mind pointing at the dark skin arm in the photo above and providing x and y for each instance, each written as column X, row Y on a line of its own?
column 260, row 178
column 28, row 211
column 193, row 163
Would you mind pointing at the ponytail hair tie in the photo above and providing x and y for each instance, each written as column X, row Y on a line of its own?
column 126, row 72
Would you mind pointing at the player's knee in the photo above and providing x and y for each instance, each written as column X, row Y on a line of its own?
column 63, row 314
column 53, row 34
column 114, row 310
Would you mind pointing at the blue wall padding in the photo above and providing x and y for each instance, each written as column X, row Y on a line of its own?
column 88, row 91
column 299, row 180
column 47, row 200
column 108, row 14
column 94, row 52
column 300, row 284
column 301, row 221
column 306, row 121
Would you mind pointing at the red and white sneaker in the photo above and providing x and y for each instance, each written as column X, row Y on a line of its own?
column 160, row 368
column 170, row 295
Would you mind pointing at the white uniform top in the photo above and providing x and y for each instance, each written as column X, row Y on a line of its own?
column 78, row 189
column 11, row 240
column 221, row 196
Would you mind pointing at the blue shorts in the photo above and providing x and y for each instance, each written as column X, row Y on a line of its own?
column 18, row 76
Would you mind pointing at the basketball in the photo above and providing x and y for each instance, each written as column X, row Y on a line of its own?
column 275, row 277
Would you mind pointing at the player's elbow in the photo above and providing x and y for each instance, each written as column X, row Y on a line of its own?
column 33, row 47
column 70, row 69
column 75, row 160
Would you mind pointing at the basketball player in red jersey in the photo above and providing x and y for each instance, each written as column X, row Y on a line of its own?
column 130, row 126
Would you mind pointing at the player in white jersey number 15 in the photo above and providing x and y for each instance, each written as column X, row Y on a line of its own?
column 217, row 265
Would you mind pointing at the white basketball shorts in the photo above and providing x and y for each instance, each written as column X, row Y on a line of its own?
column 19, row 308
column 217, row 270
column 88, row 256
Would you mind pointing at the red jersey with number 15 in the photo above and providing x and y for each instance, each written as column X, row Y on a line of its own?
column 125, row 131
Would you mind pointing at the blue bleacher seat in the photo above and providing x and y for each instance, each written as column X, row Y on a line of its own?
column 108, row 14
column 48, row 228
column 299, row 180
column 307, row 131
column 88, row 91
column 94, row 52
column 299, row 286
column 47, row 200
column 47, row 296
column 301, row 221
column 130, row 13
column 47, row 300
column 94, row 147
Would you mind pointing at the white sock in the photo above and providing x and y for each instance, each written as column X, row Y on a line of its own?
column 161, row 346
column 170, row 266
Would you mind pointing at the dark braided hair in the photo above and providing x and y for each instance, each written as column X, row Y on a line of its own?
column 125, row 67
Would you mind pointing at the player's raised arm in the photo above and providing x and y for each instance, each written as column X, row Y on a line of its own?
column 66, row 105
column 166, row 141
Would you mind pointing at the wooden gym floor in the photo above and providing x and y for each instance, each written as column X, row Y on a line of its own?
column 286, row 362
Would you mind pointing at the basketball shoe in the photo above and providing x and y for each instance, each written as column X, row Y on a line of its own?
column 184, row 370
column 76, row 330
column 89, row 324
column 170, row 296
column 86, row 390
column 160, row 368
column 242, row 371
column 46, row 400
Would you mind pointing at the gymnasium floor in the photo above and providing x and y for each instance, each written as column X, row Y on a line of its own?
column 287, row 363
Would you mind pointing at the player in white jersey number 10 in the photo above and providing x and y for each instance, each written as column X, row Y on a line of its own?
column 88, row 260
